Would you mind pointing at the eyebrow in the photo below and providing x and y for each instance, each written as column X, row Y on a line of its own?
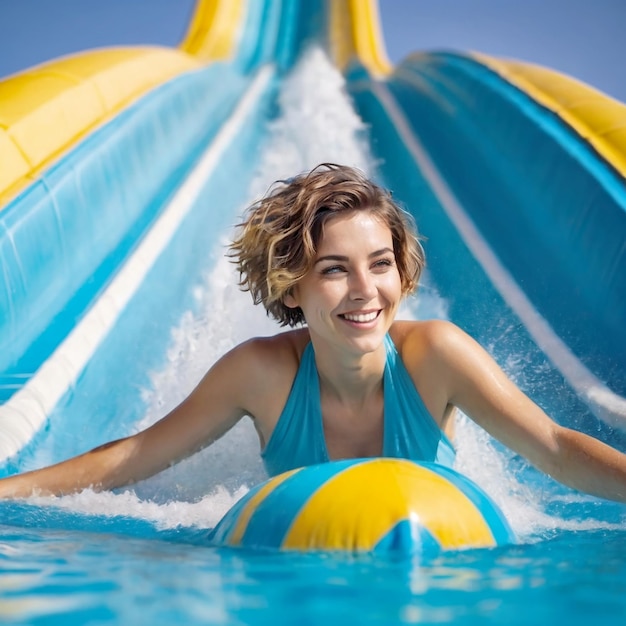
column 344, row 259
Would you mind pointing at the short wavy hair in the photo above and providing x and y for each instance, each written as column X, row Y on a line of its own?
column 276, row 244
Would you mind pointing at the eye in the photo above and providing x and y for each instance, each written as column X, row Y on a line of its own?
column 332, row 269
column 383, row 264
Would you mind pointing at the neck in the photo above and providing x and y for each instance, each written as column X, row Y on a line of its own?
column 350, row 378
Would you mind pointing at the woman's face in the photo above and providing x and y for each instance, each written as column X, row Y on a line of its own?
column 351, row 295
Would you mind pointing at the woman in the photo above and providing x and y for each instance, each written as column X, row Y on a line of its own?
column 331, row 250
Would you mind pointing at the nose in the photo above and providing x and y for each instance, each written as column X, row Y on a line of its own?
column 362, row 285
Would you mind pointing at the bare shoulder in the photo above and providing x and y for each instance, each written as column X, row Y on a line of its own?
column 449, row 368
column 270, row 354
column 439, row 353
column 264, row 364
column 452, row 357
column 259, row 374
column 429, row 338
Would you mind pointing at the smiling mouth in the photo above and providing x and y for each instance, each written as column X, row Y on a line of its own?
column 361, row 318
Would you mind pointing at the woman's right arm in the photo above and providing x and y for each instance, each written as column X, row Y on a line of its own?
column 224, row 395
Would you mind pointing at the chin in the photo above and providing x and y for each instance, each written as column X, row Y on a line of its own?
column 369, row 342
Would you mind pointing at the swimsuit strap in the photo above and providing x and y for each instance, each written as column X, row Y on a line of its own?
column 298, row 437
column 410, row 430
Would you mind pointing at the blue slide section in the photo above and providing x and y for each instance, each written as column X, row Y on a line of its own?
column 524, row 223
column 101, row 254
column 127, row 169
column 525, row 228
column 133, row 195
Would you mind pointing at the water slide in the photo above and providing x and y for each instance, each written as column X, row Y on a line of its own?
column 123, row 170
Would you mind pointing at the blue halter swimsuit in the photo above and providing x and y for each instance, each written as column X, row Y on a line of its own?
column 410, row 432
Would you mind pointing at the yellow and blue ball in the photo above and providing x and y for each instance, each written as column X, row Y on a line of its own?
column 365, row 505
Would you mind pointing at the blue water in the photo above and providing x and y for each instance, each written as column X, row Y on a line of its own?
column 140, row 556
column 70, row 577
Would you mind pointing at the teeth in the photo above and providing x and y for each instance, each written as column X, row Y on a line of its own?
column 361, row 317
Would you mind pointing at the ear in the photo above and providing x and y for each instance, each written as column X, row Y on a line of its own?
column 290, row 299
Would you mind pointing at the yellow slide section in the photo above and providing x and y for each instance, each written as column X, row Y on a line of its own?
column 213, row 30
column 595, row 117
column 355, row 33
column 47, row 109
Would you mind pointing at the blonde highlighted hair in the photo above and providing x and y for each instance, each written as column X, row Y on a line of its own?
column 277, row 242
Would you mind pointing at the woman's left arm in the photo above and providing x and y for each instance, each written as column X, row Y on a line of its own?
column 475, row 384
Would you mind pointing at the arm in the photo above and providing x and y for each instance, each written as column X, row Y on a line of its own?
column 214, row 407
column 475, row 383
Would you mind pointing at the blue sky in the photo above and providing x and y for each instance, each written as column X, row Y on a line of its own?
column 583, row 38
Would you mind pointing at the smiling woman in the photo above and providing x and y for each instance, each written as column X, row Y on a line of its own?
column 365, row 271
column 329, row 249
column 278, row 242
